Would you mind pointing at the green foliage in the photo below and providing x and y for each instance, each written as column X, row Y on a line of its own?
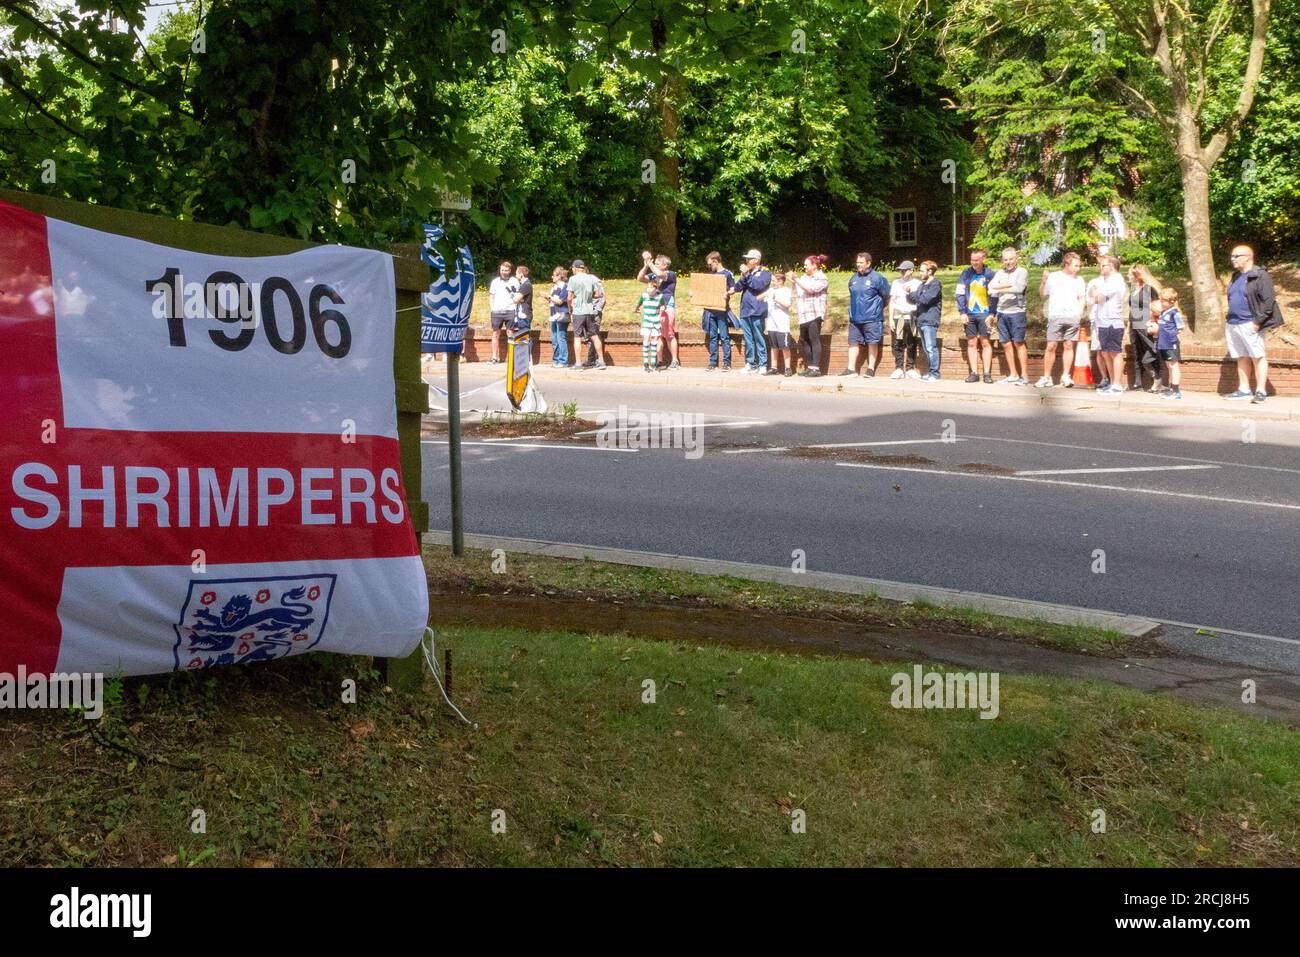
column 763, row 131
column 1056, row 155
column 258, row 130
column 1068, row 99
column 1255, row 190
column 759, row 115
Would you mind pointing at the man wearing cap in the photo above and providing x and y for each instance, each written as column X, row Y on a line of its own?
column 753, row 284
column 868, row 292
column 583, row 290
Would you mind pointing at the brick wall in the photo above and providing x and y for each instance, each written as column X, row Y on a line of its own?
column 1202, row 370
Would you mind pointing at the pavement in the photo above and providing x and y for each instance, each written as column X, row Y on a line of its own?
column 1189, row 520
column 1275, row 408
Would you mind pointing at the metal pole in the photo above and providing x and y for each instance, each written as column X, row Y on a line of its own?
column 453, row 452
column 954, row 220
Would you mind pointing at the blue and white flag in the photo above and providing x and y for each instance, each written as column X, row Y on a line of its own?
column 444, row 309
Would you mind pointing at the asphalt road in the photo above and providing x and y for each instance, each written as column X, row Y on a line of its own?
column 1194, row 520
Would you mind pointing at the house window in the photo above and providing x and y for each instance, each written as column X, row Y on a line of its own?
column 902, row 227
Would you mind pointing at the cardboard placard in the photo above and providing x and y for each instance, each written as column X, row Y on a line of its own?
column 709, row 290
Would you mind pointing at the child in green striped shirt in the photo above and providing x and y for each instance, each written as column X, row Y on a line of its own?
column 650, row 305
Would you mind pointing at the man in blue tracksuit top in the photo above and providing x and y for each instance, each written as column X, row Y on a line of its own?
column 868, row 293
column 753, row 285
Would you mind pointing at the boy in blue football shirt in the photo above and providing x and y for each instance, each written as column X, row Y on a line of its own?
column 1165, row 329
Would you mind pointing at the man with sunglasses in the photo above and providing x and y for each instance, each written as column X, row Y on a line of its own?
column 1252, row 308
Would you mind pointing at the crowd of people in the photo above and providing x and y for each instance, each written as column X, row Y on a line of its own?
column 1106, row 312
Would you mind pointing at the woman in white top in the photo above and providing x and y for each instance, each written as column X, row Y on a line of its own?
column 777, row 327
column 810, row 306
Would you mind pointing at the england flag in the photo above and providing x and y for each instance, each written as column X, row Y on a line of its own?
column 199, row 462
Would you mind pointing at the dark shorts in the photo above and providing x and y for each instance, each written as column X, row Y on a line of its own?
column 1111, row 340
column 977, row 328
column 779, row 340
column 866, row 333
column 586, row 326
column 502, row 320
column 1011, row 328
column 1171, row 355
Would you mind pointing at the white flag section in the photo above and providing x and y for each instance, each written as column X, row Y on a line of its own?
column 200, row 463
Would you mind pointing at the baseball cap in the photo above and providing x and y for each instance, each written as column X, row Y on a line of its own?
column 753, row 254
column 579, row 264
column 905, row 265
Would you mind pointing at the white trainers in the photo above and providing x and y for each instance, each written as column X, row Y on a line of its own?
column 1044, row 383
column 1009, row 380
column 1067, row 383
column 896, row 374
column 913, row 374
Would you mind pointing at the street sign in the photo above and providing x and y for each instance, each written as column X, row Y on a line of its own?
column 445, row 308
column 451, row 200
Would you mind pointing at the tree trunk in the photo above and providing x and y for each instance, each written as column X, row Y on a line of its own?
column 662, row 220
column 1208, row 314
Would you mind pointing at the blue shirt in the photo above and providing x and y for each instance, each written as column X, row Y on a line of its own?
column 751, row 284
column 867, row 296
column 718, row 314
column 560, row 290
column 667, row 285
column 1170, row 321
column 1238, row 306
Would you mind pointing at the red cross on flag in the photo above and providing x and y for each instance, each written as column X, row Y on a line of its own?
column 199, row 461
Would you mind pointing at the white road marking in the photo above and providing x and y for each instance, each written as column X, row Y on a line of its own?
column 674, row 428
column 521, row 445
column 1087, row 485
column 1141, row 468
column 859, row 445
column 775, row 448
column 1155, row 455
column 513, row 438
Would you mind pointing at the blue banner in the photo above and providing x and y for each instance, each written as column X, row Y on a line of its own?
column 444, row 309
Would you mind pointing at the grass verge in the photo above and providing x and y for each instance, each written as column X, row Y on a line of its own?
column 583, row 772
column 586, row 580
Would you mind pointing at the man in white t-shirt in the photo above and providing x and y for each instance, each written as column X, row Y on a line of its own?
column 1063, row 293
column 1107, row 295
column 902, row 321
column 502, row 305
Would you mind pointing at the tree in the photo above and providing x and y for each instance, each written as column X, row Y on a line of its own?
column 745, row 102
column 325, row 119
column 1192, row 67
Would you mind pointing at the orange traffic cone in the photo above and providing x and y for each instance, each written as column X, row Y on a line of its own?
column 1082, row 372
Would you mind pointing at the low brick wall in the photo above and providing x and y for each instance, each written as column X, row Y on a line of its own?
column 1203, row 370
